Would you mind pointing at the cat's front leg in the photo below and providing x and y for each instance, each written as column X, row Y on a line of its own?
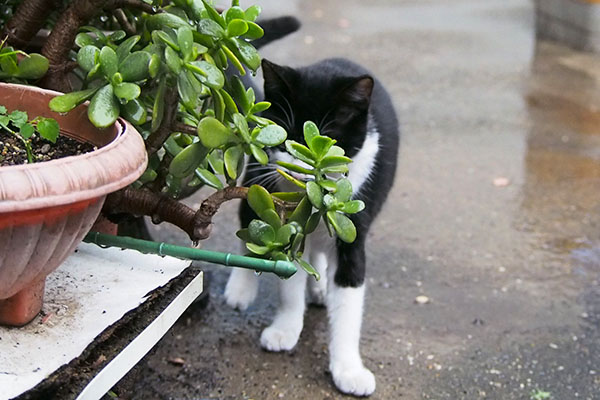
column 241, row 288
column 285, row 330
column 345, row 299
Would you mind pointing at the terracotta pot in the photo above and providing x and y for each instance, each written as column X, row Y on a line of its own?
column 46, row 208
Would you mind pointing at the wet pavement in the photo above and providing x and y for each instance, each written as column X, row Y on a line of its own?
column 495, row 217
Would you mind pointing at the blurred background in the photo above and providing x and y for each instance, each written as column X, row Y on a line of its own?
column 494, row 217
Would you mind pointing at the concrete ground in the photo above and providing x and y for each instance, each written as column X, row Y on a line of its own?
column 495, row 217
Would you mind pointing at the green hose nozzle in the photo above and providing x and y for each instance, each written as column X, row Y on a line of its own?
column 283, row 269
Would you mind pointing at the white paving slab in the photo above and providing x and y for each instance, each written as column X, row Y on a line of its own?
column 92, row 289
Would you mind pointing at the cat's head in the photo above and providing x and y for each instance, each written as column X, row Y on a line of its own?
column 322, row 93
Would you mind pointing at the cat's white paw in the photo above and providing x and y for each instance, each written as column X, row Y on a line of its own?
column 276, row 339
column 240, row 290
column 357, row 380
column 317, row 294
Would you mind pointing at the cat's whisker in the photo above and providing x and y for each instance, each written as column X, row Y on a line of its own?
column 293, row 122
column 261, row 178
column 324, row 119
column 285, row 113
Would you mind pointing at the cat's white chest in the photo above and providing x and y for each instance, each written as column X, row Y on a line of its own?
column 363, row 162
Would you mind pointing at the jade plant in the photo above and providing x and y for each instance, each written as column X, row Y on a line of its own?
column 174, row 70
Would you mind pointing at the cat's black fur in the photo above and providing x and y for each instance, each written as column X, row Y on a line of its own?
column 347, row 104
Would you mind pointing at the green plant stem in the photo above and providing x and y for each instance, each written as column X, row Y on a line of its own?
column 28, row 149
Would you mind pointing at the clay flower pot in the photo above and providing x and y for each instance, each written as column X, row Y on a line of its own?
column 46, row 208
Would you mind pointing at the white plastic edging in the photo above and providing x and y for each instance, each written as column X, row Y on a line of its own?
column 142, row 344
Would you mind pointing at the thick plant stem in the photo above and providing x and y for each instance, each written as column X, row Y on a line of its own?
column 158, row 137
column 197, row 224
column 28, row 19
column 61, row 40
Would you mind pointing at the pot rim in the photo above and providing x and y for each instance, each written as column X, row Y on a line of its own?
column 75, row 178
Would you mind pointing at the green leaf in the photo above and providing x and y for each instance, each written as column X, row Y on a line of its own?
column 215, row 160
column 117, row 35
column 135, row 66
column 18, row 118
column 328, row 185
column 242, row 126
column 158, row 110
column 271, row 217
column 239, row 94
column 103, row 110
column 186, row 162
column 308, row 268
column 154, row 65
column 174, row 185
column 330, row 202
column 343, row 190
column 69, row 101
column 297, row 244
column 259, row 154
column 292, row 179
column 214, row 14
column 335, row 151
column 127, row 91
column 126, row 46
column 271, row 135
column 185, row 39
column 84, row 39
column 252, row 13
column 109, row 62
column 9, row 65
column 312, row 223
column 302, row 212
column 229, row 103
column 261, row 232
column 285, row 233
column 256, row 249
column 26, row 131
column 211, row 28
column 208, row 74
column 187, row 90
column 254, row 31
column 213, row 133
column 259, row 199
column 260, row 107
column 173, row 61
column 295, row 168
column 353, row 206
column 300, row 152
column 236, row 27
column 234, row 60
column 293, row 197
column 314, row 194
column 33, row 67
column 332, row 161
column 87, row 57
column 160, row 20
column 246, row 52
column 165, row 38
column 343, row 226
column 243, row 234
column 234, row 12
column 209, row 178
column 218, row 104
column 48, row 129
column 134, row 112
column 310, row 132
column 320, row 145
column 233, row 156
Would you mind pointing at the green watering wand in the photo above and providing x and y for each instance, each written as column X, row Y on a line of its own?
column 283, row 269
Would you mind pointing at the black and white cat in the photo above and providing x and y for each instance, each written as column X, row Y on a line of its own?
column 349, row 105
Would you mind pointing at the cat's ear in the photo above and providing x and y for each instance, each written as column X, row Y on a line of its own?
column 278, row 79
column 354, row 98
